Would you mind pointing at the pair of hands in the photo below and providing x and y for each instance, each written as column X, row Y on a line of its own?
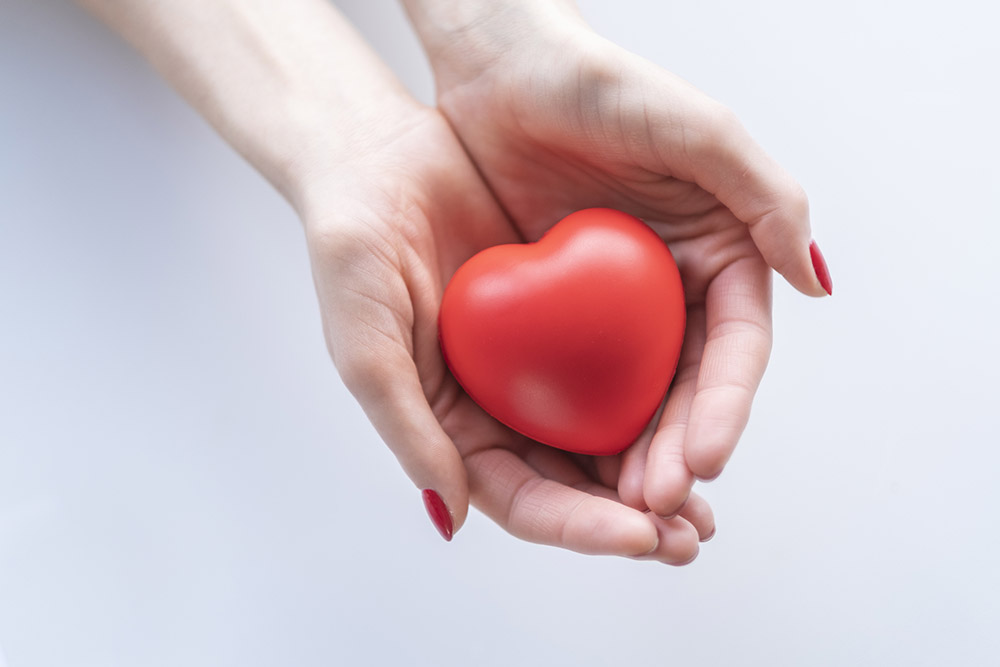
column 539, row 117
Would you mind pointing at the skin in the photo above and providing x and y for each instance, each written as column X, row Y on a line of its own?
column 380, row 273
column 557, row 119
column 394, row 196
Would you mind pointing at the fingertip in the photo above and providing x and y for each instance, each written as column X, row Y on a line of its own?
column 437, row 469
column 698, row 513
column 692, row 558
column 641, row 537
column 387, row 385
column 820, row 268
column 439, row 513
column 679, row 543
column 667, row 482
column 666, row 492
column 707, row 457
column 622, row 531
column 707, row 464
column 630, row 491
column 446, row 500
column 779, row 225
column 811, row 274
column 717, row 422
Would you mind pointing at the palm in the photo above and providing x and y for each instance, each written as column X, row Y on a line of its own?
column 436, row 215
column 563, row 135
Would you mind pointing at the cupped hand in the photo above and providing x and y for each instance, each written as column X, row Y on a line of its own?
column 557, row 119
column 387, row 226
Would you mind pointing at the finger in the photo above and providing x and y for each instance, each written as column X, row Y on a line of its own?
column 384, row 380
column 668, row 480
column 609, row 470
column 370, row 345
column 677, row 538
column 601, row 469
column 721, row 157
column 699, row 514
column 678, row 541
column 738, row 344
column 370, row 320
column 555, row 464
column 544, row 511
column 632, row 466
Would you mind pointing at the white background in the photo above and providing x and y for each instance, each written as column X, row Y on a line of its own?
column 184, row 480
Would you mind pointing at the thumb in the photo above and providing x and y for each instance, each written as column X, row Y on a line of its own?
column 725, row 160
column 368, row 318
column 383, row 377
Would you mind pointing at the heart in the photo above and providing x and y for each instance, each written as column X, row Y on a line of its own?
column 571, row 340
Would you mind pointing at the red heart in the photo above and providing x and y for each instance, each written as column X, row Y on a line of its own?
column 572, row 340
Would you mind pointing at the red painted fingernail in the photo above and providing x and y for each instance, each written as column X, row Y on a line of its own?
column 819, row 266
column 439, row 513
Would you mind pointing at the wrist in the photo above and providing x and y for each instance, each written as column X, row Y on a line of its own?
column 462, row 39
column 346, row 154
column 324, row 139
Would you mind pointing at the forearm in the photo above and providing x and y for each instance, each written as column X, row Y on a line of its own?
column 287, row 84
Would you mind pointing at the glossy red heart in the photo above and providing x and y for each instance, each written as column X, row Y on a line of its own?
column 572, row 340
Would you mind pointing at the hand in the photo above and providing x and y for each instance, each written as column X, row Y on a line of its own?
column 392, row 206
column 557, row 119
column 386, row 230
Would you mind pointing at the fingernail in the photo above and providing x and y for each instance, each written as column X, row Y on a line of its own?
column 820, row 267
column 439, row 513
column 709, row 536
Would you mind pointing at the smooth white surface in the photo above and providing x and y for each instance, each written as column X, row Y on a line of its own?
column 184, row 480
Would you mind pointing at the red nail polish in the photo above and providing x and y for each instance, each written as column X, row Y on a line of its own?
column 439, row 513
column 819, row 265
